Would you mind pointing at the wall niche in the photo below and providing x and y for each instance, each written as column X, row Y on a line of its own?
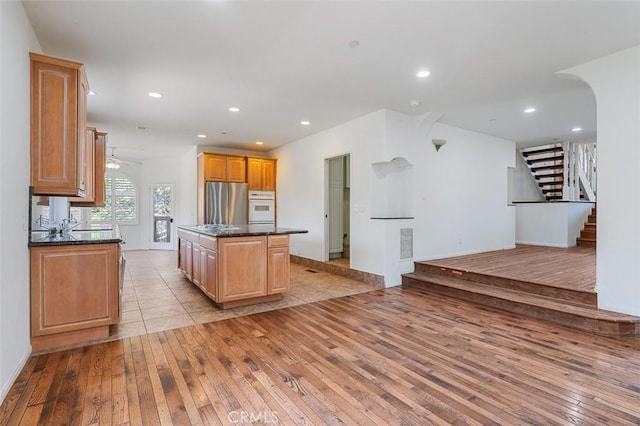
column 392, row 192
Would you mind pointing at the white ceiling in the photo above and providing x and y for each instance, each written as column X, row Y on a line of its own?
column 283, row 62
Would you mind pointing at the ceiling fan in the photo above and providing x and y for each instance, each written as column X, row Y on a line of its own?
column 113, row 162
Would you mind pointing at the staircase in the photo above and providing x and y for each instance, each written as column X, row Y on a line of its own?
column 546, row 163
column 587, row 236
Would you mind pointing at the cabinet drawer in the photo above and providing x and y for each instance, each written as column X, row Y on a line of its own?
column 278, row 240
column 208, row 242
column 188, row 236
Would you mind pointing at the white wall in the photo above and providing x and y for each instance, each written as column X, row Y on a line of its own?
column 459, row 193
column 186, row 197
column 522, row 185
column 462, row 204
column 301, row 189
column 615, row 80
column 17, row 39
column 550, row 224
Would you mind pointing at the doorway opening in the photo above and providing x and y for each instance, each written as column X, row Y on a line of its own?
column 161, row 217
column 337, row 213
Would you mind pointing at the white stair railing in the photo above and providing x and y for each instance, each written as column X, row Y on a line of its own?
column 579, row 171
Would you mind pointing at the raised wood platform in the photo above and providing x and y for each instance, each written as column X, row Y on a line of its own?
column 552, row 284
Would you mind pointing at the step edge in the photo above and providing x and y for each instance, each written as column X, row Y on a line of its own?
column 562, row 307
column 634, row 325
column 465, row 271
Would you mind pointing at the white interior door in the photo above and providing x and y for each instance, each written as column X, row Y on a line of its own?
column 335, row 207
column 162, row 216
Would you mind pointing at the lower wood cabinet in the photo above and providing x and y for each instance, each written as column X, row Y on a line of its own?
column 278, row 264
column 210, row 271
column 74, row 293
column 242, row 268
column 236, row 271
column 196, row 270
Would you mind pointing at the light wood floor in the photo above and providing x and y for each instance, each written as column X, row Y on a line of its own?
column 391, row 356
column 573, row 268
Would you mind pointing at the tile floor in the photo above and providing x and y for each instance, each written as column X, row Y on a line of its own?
column 157, row 297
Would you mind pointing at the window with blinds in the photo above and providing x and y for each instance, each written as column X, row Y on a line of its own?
column 120, row 201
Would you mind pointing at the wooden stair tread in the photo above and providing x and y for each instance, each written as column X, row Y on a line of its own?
column 558, row 292
column 529, row 152
column 525, row 298
column 553, row 182
column 550, row 167
column 533, row 161
column 548, row 175
column 581, row 317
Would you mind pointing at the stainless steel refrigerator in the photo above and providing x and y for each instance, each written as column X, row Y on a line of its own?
column 226, row 203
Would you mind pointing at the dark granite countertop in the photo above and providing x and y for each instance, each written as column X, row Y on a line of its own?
column 90, row 234
column 554, row 202
column 240, row 230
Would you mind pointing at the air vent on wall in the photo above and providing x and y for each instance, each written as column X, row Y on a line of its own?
column 406, row 243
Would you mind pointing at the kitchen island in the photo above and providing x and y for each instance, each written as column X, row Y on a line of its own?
column 76, row 280
column 236, row 265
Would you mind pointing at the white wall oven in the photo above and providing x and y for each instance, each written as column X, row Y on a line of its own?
column 262, row 207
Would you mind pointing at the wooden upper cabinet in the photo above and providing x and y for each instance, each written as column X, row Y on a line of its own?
column 224, row 168
column 89, row 167
column 215, row 167
column 236, row 169
column 97, row 150
column 254, row 173
column 100, row 169
column 59, row 90
column 268, row 174
column 261, row 174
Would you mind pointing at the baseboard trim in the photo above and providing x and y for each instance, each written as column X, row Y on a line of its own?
column 6, row 387
column 537, row 243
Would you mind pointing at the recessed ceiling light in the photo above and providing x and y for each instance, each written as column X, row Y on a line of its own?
column 259, row 143
column 305, row 123
column 415, row 103
column 91, row 93
column 423, row 74
column 354, row 43
column 529, row 110
column 223, row 133
column 576, row 129
column 155, row 95
column 141, row 128
column 202, row 136
column 234, row 109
